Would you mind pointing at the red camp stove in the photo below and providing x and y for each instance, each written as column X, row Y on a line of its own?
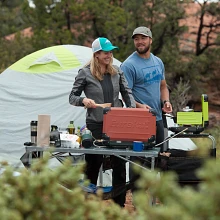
column 122, row 126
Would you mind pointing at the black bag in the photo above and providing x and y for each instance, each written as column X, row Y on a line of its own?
column 184, row 164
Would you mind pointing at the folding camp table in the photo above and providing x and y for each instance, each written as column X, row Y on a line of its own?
column 152, row 153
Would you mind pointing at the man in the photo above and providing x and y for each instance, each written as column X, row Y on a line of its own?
column 145, row 74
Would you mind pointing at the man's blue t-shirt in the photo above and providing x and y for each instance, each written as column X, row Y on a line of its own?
column 144, row 77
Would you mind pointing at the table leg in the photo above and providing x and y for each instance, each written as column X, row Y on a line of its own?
column 213, row 141
column 29, row 158
column 152, row 163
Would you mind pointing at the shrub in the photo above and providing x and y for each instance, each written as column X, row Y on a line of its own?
column 39, row 193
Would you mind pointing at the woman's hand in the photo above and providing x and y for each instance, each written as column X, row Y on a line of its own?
column 89, row 103
column 139, row 105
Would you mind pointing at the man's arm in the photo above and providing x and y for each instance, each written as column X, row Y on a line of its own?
column 164, row 92
column 164, row 95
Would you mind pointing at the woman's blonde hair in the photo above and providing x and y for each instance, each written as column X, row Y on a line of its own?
column 95, row 68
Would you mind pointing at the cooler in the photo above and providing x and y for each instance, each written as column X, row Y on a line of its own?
column 122, row 126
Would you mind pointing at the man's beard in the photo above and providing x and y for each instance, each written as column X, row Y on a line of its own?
column 145, row 50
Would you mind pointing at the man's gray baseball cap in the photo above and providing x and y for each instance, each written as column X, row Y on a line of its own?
column 143, row 31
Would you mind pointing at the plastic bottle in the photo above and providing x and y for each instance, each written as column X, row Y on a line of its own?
column 79, row 135
column 71, row 127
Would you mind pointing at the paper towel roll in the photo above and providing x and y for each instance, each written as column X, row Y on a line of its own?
column 43, row 131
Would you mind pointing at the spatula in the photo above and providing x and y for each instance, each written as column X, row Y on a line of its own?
column 104, row 105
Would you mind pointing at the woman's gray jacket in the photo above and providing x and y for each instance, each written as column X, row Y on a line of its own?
column 87, row 83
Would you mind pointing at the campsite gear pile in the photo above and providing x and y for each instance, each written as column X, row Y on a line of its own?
column 55, row 135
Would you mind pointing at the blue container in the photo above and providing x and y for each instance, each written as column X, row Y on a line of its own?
column 138, row 146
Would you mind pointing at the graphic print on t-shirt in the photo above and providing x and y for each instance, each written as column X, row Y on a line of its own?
column 151, row 75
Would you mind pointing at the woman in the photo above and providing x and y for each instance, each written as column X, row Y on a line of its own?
column 101, row 82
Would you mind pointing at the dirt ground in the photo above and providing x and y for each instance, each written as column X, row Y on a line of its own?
column 128, row 203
